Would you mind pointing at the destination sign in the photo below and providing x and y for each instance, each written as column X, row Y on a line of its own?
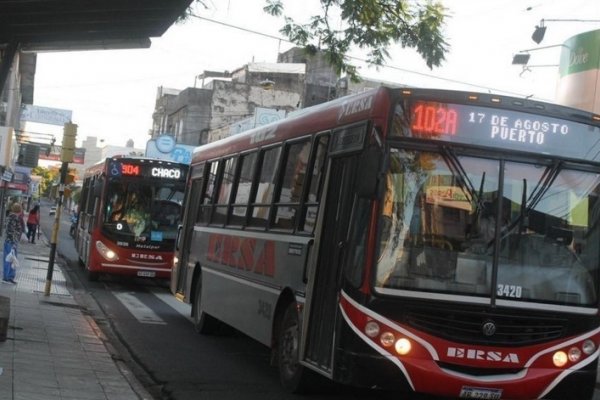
column 496, row 127
column 129, row 168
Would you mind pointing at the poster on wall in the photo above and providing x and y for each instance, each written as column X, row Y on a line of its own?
column 166, row 148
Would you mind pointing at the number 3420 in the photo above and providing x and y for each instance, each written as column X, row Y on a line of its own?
column 512, row 291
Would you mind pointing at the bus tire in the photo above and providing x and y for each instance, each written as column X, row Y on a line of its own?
column 294, row 377
column 203, row 323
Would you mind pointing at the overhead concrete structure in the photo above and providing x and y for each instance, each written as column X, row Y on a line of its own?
column 31, row 22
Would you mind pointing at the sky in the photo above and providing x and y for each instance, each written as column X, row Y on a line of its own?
column 112, row 92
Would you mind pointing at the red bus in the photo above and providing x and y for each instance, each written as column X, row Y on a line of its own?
column 400, row 237
column 129, row 211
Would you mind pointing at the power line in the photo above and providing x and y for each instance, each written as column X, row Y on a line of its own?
column 214, row 21
column 487, row 88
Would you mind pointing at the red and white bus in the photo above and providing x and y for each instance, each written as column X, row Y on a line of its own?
column 129, row 212
column 402, row 237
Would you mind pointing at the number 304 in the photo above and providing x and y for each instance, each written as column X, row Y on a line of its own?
column 513, row 291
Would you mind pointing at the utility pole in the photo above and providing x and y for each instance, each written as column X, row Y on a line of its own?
column 66, row 156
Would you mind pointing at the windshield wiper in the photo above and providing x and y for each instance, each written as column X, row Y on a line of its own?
column 463, row 179
column 538, row 192
column 542, row 187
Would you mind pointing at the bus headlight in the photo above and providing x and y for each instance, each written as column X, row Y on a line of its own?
column 403, row 346
column 105, row 252
column 574, row 354
column 387, row 339
column 588, row 347
column 372, row 329
column 559, row 359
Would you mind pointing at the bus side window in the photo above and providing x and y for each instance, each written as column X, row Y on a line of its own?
column 224, row 193
column 90, row 202
column 94, row 202
column 294, row 175
column 315, row 184
column 243, row 189
column 83, row 200
column 264, row 190
column 207, row 198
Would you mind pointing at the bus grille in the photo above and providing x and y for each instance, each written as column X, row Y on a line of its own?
column 467, row 327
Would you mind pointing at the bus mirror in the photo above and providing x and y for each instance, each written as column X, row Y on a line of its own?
column 369, row 172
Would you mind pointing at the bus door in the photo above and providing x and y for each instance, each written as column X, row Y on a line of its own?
column 178, row 283
column 326, row 278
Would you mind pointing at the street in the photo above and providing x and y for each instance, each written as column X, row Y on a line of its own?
column 153, row 334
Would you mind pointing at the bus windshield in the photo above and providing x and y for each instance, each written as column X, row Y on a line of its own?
column 452, row 223
column 142, row 212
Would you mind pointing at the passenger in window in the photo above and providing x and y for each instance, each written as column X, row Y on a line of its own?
column 137, row 213
column 116, row 206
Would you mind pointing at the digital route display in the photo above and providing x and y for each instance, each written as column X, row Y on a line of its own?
column 129, row 168
column 509, row 129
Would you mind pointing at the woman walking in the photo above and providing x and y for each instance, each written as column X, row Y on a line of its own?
column 14, row 229
column 33, row 222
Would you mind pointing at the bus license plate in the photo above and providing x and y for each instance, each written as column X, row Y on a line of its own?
column 480, row 393
column 146, row 274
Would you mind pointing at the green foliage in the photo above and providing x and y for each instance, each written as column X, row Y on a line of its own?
column 374, row 25
column 48, row 176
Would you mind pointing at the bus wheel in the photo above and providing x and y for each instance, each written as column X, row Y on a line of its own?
column 294, row 377
column 203, row 323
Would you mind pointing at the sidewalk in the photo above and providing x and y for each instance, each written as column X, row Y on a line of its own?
column 53, row 351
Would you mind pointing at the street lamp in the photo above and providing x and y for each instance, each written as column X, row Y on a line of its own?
column 522, row 57
column 540, row 30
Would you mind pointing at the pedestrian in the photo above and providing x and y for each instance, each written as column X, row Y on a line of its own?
column 33, row 222
column 14, row 229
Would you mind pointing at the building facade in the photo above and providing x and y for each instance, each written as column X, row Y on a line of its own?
column 229, row 102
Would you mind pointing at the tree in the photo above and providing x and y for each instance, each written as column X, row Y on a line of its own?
column 48, row 176
column 373, row 25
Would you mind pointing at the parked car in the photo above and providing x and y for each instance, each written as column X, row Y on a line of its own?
column 52, row 210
